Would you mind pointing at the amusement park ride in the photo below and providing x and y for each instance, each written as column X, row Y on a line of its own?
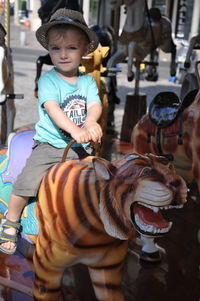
column 143, row 33
column 95, row 223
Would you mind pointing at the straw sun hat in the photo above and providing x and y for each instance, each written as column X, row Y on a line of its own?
column 71, row 17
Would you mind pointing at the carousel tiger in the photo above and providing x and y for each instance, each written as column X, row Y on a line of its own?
column 87, row 212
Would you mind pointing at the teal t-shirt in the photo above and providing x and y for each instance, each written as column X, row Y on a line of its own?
column 73, row 100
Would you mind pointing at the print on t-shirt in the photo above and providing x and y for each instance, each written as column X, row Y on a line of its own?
column 74, row 106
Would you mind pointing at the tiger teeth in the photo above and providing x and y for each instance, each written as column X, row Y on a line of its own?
column 179, row 206
column 150, row 228
column 171, row 207
column 155, row 209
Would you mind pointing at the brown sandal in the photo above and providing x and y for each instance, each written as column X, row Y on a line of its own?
column 4, row 237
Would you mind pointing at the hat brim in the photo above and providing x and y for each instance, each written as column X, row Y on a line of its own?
column 41, row 34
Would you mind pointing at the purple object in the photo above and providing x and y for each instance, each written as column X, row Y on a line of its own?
column 20, row 149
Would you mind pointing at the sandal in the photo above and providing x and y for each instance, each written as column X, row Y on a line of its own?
column 4, row 237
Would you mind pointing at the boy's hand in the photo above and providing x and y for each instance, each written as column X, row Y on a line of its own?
column 81, row 135
column 94, row 130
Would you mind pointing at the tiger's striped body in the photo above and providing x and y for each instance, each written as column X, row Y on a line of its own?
column 86, row 240
column 85, row 216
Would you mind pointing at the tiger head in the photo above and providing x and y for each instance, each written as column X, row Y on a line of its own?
column 134, row 190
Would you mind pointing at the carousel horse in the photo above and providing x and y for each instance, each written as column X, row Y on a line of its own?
column 144, row 31
column 189, row 80
column 171, row 129
column 6, row 87
column 106, row 39
column 48, row 7
column 87, row 212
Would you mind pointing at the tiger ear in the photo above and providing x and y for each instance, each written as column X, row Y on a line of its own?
column 104, row 169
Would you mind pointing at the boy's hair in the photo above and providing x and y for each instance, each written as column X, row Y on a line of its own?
column 70, row 17
column 61, row 28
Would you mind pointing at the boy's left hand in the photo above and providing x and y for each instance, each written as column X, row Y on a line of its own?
column 94, row 129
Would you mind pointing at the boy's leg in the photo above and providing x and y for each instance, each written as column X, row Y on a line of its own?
column 27, row 183
column 15, row 207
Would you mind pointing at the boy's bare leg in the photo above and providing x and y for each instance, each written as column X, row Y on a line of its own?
column 15, row 207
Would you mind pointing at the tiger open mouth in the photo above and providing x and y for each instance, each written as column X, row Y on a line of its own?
column 148, row 220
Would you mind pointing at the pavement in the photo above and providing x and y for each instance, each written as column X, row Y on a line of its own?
column 26, row 50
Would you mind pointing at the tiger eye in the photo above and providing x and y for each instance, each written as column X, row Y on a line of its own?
column 145, row 172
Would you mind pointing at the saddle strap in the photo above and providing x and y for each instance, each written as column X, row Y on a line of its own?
column 158, row 139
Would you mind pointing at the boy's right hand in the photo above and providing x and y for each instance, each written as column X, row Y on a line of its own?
column 81, row 135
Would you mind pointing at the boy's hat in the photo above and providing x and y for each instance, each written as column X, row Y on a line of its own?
column 71, row 17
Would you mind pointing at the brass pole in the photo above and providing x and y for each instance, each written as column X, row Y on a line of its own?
column 16, row 10
column 7, row 21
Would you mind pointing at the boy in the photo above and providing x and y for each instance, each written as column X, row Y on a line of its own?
column 69, row 106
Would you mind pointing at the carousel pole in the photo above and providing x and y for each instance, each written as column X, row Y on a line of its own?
column 7, row 22
column 7, row 42
column 135, row 107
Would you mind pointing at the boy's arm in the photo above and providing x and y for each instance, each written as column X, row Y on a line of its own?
column 94, row 111
column 81, row 135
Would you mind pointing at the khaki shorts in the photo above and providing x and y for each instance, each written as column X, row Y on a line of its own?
column 43, row 157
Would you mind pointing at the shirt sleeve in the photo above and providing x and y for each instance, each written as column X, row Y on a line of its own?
column 47, row 89
column 93, row 92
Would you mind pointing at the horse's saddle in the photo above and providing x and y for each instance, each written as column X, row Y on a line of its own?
column 166, row 107
column 165, row 119
column 19, row 149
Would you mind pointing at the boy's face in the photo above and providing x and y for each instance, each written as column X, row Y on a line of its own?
column 66, row 48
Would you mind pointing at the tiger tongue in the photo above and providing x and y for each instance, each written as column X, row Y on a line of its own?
column 150, row 217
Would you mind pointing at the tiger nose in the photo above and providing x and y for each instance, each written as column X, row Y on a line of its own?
column 175, row 183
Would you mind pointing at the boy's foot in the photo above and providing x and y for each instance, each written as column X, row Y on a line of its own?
column 8, row 236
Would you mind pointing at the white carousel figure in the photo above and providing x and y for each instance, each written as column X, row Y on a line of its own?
column 144, row 31
column 6, row 88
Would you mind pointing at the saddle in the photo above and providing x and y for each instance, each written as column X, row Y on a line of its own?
column 19, row 149
column 165, row 117
column 166, row 107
